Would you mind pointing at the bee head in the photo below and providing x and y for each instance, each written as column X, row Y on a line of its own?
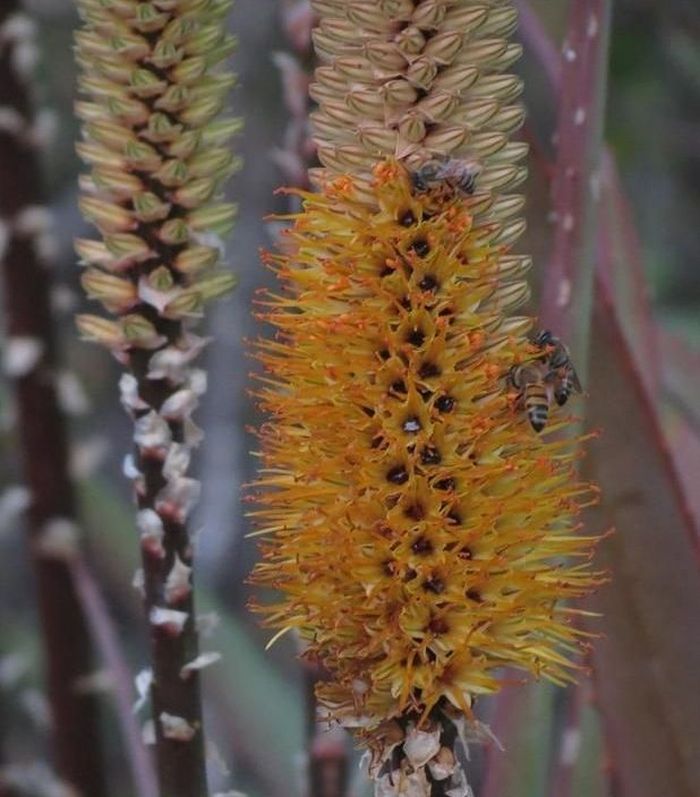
column 543, row 338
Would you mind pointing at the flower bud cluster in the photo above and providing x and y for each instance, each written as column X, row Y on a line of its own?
column 417, row 81
column 158, row 157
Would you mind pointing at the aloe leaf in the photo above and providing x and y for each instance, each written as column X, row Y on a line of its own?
column 648, row 664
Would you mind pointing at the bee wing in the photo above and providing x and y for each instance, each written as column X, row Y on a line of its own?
column 575, row 381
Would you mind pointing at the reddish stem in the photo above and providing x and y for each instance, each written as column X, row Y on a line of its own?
column 548, row 58
column 41, row 429
column 580, row 78
column 568, row 283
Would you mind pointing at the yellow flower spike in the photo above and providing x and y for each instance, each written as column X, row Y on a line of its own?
column 420, row 521
column 421, row 534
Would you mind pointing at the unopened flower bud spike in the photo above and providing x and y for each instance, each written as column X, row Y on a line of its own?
column 155, row 151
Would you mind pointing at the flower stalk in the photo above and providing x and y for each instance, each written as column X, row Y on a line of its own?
column 158, row 157
column 421, row 532
column 30, row 365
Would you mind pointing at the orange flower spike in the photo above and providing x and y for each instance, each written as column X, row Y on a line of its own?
column 405, row 483
column 415, row 522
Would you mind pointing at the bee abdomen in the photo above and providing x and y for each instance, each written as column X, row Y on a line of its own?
column 537, row 406
column 538, row 416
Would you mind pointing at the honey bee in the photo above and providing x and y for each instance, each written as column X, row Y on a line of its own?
column 549, row 376
column 533, row 392
column 457, row 174
column 561, row 372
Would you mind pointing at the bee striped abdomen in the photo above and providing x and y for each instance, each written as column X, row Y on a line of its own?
column 536, row 403
column 534, row 396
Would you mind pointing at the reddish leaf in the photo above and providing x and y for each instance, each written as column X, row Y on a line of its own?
column 648, row 665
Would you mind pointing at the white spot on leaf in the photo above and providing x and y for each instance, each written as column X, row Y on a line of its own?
column 33, row 220
column 570, row 746
column 13, row 667
column 593, row 26
column 207, row 623
column 13, row 501
column 11, row 121
column 564, row 293
column 73, row 399
column 148, row 732
column 87, row 456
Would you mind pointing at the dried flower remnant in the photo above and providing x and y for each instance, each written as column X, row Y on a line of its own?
column 158, row 157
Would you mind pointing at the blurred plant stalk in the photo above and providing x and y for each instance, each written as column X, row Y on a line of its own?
column 158, row 157
column 30, row 365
